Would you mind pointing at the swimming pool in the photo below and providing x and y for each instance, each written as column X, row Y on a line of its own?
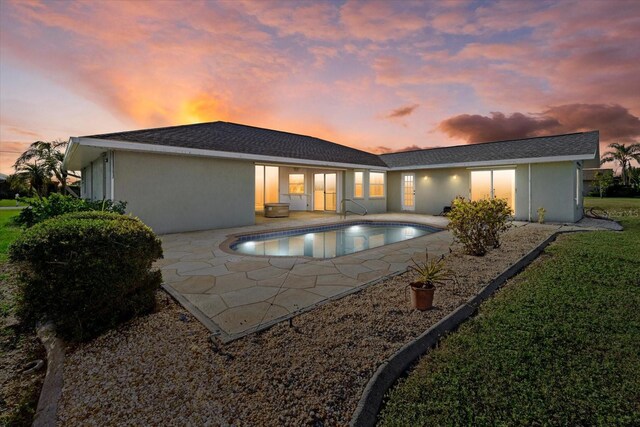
column 328, row 241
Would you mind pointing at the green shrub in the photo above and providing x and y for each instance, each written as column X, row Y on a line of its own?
column 57, row 204
column 478, row 224
column 86, row 271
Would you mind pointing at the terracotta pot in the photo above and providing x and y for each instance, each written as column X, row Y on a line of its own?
column 421, row 298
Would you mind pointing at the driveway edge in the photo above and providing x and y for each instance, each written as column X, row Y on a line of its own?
column 389, row 371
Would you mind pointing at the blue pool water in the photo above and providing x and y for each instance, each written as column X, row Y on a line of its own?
column 329, row 241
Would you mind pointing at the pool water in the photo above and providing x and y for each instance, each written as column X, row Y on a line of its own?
column 329, row 241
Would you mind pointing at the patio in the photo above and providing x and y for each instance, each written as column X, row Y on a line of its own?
column 234, row 295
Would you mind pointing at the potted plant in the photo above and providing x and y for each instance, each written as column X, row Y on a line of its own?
column 431, row 274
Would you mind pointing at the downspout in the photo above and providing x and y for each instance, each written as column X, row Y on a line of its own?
column 529, row 178
column 112, row 154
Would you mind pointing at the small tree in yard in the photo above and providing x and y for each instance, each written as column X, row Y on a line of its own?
column 478, row 224
column 603, row 181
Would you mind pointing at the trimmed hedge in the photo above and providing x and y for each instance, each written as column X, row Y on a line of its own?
column 57, row 204
column 87, row 272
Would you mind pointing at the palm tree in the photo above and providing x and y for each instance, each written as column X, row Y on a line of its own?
column 622, row 154
column 36, row 175
column 49, row 155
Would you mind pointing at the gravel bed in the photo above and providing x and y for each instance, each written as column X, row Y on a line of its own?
column 164, row 369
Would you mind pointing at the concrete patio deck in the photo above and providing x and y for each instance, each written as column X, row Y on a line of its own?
column 234, row 294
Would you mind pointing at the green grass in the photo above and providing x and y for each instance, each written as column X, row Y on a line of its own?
column 8, row 230
column 11, row 203
column 558, row 346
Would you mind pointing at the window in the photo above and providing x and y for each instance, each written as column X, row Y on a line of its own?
column 296, row 183
column 376, row 184
column 266, row 186
column 358, row 184
column 499, row 183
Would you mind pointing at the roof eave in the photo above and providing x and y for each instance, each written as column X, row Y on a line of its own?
column 503, row 162
column 168, row 149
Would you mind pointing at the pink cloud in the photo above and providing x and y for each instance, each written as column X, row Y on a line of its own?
column 381, row 20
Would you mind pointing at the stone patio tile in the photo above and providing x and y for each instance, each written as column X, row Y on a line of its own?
column 329, row 290
column 194, row 285
column 205, row 256
column 309, row 269
column 398, row 266
column 217, row 271
column 171, row 276
column 248, row 295
column 245, row 265
column 336, row 279
column 376, row 264
column 352, row 270
column 163, row 262
column 175, row 255
column 397, row 257
column 366, row 255
column 296, row 299
column 299, row 282
column 231, row 282
column 186, row 266
column 286, row 262
column 347, row 259
column 274, row 282
column 325, row 262
column 372, row 275
column 266, row 273
column 239, row 319
column 210, row 305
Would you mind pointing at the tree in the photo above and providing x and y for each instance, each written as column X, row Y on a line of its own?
column 47, row 156
column 603, row 181
column 634, row 177
column 36, row 175
column 622, row 154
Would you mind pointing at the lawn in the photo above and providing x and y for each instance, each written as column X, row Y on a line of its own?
column 8, row 231
column 559, row 345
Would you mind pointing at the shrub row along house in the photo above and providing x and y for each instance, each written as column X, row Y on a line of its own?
column 217, row 175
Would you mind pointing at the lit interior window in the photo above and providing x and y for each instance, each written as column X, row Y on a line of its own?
column 358, row 184
column 296, row 183
column 376, row 184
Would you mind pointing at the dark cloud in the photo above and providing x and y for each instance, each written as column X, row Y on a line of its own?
column 613, row 121
column 477, row 128
column 402, row 111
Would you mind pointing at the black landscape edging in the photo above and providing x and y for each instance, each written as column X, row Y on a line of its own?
column 388, row 372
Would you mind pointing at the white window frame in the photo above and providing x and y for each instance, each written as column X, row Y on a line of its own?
column 303, row 184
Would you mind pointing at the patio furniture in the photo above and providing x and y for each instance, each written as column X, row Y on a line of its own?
column 276, row 210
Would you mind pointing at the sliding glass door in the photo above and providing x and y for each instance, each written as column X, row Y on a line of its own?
column 266, row 188
column 325, row 191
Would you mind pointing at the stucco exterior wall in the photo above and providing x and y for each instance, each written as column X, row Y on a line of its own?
column 372, row 204
column 553, row 186
column 183, row 193
column 435, row 189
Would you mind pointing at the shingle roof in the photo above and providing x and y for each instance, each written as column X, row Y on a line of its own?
column 574, row 144
column 235, row 138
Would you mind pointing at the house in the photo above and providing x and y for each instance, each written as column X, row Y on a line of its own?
column 217, row 175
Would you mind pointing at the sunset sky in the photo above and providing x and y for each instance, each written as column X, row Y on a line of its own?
column 379, row 76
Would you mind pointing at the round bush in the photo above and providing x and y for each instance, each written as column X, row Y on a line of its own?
column 86, row 271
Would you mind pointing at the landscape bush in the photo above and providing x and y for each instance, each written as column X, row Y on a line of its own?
column 478, row 224
column 86, row 272
column 57, row 204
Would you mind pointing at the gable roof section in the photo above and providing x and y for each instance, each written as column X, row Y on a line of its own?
column 235, row 138
column 583, row 145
